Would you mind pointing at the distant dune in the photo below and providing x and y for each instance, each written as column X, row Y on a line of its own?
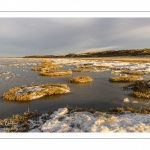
column 110, row 53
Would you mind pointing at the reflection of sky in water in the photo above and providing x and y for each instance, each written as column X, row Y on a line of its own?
column 99, row 94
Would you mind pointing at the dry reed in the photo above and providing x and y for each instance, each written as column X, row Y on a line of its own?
column 126, row 71
column 125, row 78
column 56, row 73
column 46, row 65
column 81, row 70
column 81, row 79
column 29, row 94
column 139, row 89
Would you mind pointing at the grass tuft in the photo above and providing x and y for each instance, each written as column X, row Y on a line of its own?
column 33, row 92
column 81, row 70
column 56, row 73
column 125, row 78
column 46, row 65
column 139, row 88
column 120, row 110
column 127, row 71
column 81, row 79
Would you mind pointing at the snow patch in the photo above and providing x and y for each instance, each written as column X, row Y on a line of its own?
column 112, row 64
column 61, row 121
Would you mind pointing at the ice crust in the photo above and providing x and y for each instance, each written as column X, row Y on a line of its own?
column 62, row 121
column 111, row 64
column 33, row 91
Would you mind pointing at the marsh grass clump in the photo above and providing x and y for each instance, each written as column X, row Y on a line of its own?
column 85, row 66
column 36, row 69
column 81, row 70
column 102, row 66
column 81, row 79
column 29, row 93
column 46, row 65
column 127, row 71
column 19, row 123
column 120, row 110
column 116, row 68
column 139, row 88
column 125, row 78
column 141, row 94
column 56, row 73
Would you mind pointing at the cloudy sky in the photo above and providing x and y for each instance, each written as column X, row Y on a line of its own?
column 46, row 36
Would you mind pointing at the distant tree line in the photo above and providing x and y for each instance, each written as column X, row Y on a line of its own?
column 109, row 53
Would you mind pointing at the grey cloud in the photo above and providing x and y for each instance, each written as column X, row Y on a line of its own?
column 24, row 36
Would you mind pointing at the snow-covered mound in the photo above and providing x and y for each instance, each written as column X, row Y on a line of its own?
column 33, row 92
column 62, row 121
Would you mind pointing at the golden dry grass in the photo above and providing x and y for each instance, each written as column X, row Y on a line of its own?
column 119, row 110
column 46, row 65
column 139, row 88
column 10, row 95
column 145, row 94
column 126, row 71
column 115, row 68
column 18, row 123
column 56, row 73
column 46, row 89
column 87, row 66
column 92, row 66
column 81, row 79
column 120, row 58
column 36, row 69
column 125, row 78
column 102, row 66
column 81, row 70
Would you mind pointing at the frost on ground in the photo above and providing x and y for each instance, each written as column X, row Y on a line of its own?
column 98, row 122
column 104, row 64
column 64, row 121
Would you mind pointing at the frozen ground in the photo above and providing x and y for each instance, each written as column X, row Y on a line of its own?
column 111, row 64
column 62, row 121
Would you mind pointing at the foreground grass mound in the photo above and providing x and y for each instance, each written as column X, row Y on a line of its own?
column 79, row 120
column 56, row 73
column 32, row 92
column 120, row 110
column 19, row 123
column 125, row 78
column 46, row 65
column 139, row 88
column 81, row 79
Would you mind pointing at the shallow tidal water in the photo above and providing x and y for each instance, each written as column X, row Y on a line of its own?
column 100, row 94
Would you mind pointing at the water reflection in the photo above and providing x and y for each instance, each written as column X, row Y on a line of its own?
column 18, row 102
column 100, row 93
column 52, row 97
column 81, row 84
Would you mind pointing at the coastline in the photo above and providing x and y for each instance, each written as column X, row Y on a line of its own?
column 139, row 59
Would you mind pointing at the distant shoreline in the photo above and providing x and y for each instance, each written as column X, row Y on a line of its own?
column 109, row 53
column 136, row 59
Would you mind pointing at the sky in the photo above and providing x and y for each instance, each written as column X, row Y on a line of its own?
column 59, row 36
